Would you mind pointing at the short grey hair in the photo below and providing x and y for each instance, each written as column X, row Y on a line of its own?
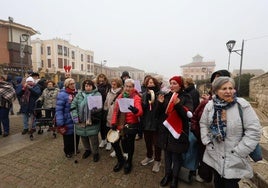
column 129, row 80
column 218, row 82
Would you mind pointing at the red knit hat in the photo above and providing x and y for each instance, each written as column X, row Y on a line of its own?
column 178, row 79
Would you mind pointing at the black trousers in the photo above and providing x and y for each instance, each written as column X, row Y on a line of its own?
column 128, row 146
column 68, row 142
column 220, row 182
column 173, row 163
column 104, row 129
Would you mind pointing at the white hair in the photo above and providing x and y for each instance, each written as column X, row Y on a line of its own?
column 129, row 80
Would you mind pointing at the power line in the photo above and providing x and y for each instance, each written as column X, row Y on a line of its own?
column 254, row 38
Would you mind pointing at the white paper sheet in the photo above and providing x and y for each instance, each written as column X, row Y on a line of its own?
column 94, row 102
column 137, row 85
column 124, row 103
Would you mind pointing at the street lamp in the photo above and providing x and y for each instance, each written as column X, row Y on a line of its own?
column 230, row 45
column 23, row 41
column 206, row 71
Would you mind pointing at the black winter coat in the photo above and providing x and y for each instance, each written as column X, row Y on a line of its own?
column 166, row 140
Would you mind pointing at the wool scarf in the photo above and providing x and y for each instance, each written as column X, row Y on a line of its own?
column 218, row 126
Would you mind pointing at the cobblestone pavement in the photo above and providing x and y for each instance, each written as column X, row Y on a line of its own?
column 41, row 163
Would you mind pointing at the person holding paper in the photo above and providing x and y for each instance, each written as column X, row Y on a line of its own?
column 171, row 110
column 127, row 123
column 84, row 112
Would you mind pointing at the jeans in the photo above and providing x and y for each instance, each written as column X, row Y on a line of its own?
column 4, row 119
column 26, row 118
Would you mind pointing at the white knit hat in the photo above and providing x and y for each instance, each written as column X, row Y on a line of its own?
column 30, row 79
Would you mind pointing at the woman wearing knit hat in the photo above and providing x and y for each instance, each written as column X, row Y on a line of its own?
column 173, row 133
column 29, row 94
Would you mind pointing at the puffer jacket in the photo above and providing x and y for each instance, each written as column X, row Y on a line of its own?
column 230, row 157
column 49, row 97
column 130, row 117
column 63, row 115
column 95, row 114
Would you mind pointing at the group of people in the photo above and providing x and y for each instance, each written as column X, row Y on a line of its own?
column 165, row 118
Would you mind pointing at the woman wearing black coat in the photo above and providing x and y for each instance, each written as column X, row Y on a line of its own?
column 173, row 133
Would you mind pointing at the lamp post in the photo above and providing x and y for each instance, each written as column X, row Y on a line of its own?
column 103, row 63
column 206, row 71
column 23, row 41
column 230, row 45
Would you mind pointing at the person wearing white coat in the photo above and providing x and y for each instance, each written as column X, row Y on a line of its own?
column 227, row 144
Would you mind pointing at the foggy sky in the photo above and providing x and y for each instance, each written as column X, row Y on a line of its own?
column 153, row 35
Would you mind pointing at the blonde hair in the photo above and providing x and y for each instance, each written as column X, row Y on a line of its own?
column 118, row 82
column 67, row 82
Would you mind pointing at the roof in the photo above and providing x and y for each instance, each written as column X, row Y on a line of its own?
column 200, row 64
column 256, row 72
column 30, row 30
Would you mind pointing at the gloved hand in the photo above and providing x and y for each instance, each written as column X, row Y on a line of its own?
column 114, row 127
column 133, row 109
column 75, row 120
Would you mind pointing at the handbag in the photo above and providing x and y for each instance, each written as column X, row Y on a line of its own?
column 62, row 129
column 130, row 128
column 256, row 154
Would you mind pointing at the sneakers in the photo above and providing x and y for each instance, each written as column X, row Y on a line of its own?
column 198, row 178
column 138, row 137
column 156, row 166
column 108, row 146
column 146, row 161
column 103, row 143
column 125, row 155
column 113, row 154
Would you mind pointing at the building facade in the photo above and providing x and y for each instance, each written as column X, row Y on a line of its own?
column 198, row 69
column 15, row 47
column 51, row 56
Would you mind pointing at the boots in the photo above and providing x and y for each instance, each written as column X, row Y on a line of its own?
column 166, row 179
column 174, row 182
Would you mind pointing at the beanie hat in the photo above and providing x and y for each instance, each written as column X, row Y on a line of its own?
column 30, row 79
column 125, row 74
column 220, row 73
column 178, row 79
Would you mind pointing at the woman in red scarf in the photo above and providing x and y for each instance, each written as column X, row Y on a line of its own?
column 173, row 133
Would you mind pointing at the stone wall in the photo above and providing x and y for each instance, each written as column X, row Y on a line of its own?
column 258, row 92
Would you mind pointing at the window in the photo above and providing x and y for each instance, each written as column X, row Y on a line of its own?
column 41, row 50
column 65, row 51
column 88, row 58
column 82, row 57
column 65, row 62
column 73, row 55
column 73, row 67
column 42, row 63
column 82, row 67
column 59, row 50
column 60, row 63
column 48, row 63
column 48, row 50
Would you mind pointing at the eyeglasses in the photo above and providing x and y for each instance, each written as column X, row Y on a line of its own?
column 71, row 83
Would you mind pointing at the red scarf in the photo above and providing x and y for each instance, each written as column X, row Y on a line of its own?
column 71, row 93
column 173, row 122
